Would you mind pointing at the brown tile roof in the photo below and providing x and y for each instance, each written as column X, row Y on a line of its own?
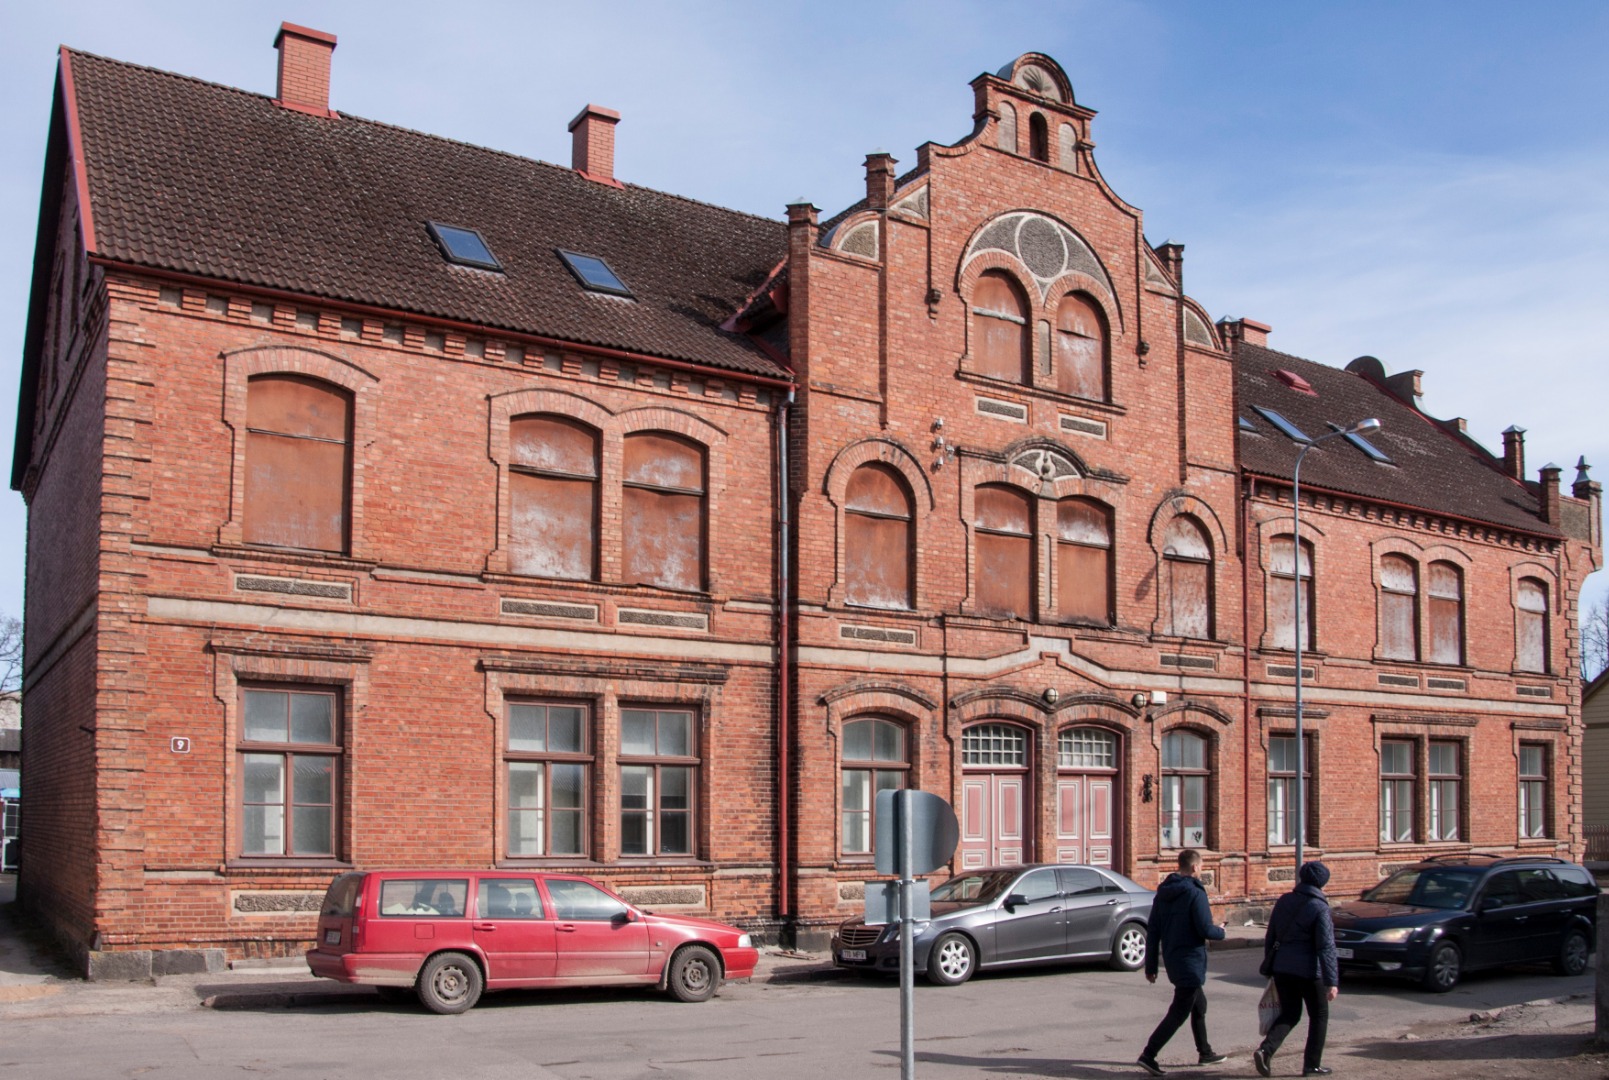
column 203, row 179
column 1432, row 468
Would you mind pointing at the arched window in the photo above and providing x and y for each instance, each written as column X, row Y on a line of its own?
column 1038, row 138
column 1446, row 589
column 1184, row 790
column 877, row 538
column 874, row 759
column 662, row 531
column 1399, row 608
column 298, row 463
column 553, row 498
column 1004, row 549
column 1531, row 626
column 1084, row 561
column 1081, row 347
column 1282, row 577
column 1187, row 564
column 999, row 328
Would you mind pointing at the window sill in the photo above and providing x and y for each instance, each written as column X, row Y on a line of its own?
column 293, row 557
column 288, row 864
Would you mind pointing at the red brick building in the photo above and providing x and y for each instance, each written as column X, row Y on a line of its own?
column 400, row 502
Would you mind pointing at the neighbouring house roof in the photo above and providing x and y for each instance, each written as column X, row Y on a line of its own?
column 1431, row 468
column 202, row 179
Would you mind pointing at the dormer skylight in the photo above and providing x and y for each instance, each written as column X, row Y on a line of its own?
column 463, row 246
column 593, row 273
column 1294, row 381
column 1374, row 452
column 1290, row 430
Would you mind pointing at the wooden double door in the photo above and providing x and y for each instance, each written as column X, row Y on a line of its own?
column 997, row 798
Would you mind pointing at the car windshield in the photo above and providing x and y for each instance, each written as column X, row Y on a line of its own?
column 1437, row 887
column 974, row 888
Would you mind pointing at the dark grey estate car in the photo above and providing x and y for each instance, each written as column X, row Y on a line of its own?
column 1010, row 915
column 1450, row 914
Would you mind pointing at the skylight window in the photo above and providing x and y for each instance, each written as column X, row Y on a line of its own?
column 593, row 273
column 1290, row 430
column 1374, row 452
column 465, row 247
column 1248, row 426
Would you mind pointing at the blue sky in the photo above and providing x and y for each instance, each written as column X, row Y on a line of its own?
column 1426, row 182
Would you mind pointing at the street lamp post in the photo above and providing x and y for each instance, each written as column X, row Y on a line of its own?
column 1362, row 427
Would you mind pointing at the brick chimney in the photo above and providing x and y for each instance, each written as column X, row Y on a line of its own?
column 304, row 69
column 1406, row 386
column 1249, row 331
column 879, row 179
column 592, row 146
column 1514, row 452
column 1550, row 493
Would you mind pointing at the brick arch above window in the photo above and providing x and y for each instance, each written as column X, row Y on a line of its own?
column 884, row 451
column 363, row 387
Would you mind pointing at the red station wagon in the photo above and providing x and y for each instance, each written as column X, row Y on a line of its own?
column 446, row 935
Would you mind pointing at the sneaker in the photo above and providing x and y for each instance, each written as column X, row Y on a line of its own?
column 1149, row 1065
column 1210, row 1058
column 1318, row 1070
column 1259, row 1058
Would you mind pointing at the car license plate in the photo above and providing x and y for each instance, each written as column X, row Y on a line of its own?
column 852, row 954
column 1344, row 954
column 332, row 937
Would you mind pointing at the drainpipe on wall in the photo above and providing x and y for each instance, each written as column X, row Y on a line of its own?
column 784, row 586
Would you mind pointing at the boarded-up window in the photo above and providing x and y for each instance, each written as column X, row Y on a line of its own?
column 1005, row 547
column 662, row 534
column 1083, row 561
column 999, row 328
column 1446, row 589
column 1399, row 608
column 1187, row 565
column 1531, row 626
column 1282, row 578
column 1081, row 347
column 1006, row 130
column 298, row 463
column 553, row 489
column 877, row 538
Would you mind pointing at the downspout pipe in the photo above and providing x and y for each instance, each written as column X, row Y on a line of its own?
column 784, row 665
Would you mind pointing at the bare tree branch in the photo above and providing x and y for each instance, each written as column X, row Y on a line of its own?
column 10, row 654
column 1595, row 639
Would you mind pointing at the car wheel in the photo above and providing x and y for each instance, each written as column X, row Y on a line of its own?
column 953, row 960
column 396, row 995
column 695, row 974
column 1446, row 964
column 1573, row 953
column 1128, row 948
column 450, row 983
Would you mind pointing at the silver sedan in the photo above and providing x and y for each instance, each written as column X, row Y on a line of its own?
column 1011, row 915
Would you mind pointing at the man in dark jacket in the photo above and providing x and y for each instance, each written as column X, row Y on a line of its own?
column 1179, row 929
column 1299, row 951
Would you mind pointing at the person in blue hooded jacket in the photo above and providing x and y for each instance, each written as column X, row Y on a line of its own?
column 1299, row 951
column 1179, row 928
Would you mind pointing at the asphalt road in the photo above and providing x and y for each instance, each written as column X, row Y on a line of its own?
column 1050, row 1022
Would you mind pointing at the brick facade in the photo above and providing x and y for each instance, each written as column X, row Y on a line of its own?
column 150, row 614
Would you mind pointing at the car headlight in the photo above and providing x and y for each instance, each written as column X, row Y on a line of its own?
column 1395, row 935
column 745, row 942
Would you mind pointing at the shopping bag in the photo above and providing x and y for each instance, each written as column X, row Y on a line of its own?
column 1267, row 1009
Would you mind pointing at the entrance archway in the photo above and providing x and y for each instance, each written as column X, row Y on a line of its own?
column 1088, row 779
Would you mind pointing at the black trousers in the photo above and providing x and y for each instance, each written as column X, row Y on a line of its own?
column 1188, row 1001
column 1294, row 991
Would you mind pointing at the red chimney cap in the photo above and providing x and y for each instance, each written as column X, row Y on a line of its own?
column 305, row 32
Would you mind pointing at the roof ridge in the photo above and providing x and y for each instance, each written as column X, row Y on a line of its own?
column 388, row 125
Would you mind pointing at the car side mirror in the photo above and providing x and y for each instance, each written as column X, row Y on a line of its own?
column 1013, row 900
column 627, row 916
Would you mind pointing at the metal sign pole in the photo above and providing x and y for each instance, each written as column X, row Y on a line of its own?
column 907, row 964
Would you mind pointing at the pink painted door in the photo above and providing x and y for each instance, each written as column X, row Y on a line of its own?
column 1086, row 826
column 993, row 831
